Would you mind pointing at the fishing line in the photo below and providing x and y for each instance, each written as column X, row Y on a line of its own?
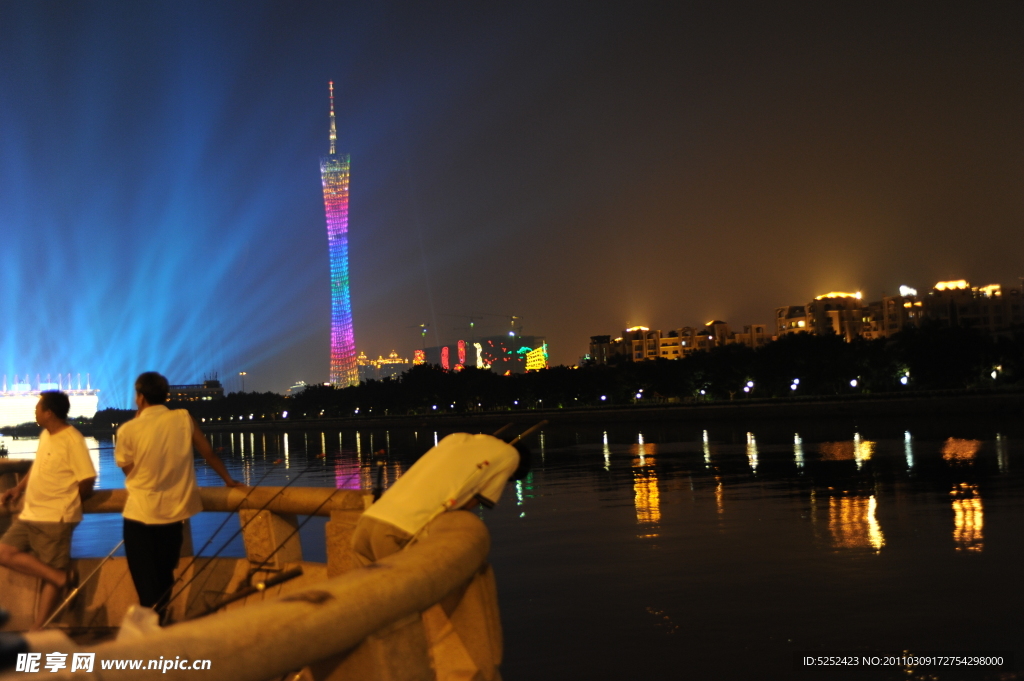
column 280, row 545
column 227, row 517
column 309, row 467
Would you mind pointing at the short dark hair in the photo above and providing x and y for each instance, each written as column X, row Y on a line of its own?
column 153, row 387
column 523, row 469
column 57, row 402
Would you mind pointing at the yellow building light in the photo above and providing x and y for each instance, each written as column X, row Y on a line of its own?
column 957, row 285
column 839, row 294
column 992, row 290
column 637, row 328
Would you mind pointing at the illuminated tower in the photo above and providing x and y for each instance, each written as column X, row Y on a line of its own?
column 334, row 169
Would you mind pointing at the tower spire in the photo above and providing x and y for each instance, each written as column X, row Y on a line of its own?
column 334, row 132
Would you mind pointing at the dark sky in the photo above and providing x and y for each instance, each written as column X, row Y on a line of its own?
column 584, row 166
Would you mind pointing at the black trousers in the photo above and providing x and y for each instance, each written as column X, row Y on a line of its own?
column 153, row 552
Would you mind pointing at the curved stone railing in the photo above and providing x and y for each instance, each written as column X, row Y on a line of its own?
column 268, row 517
column 429, row 612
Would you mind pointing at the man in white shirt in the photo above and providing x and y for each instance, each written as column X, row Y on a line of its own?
column 155, row 452
column 38, row 543
column 460, row 472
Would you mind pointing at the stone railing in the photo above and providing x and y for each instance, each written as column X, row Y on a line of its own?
column 429, row 612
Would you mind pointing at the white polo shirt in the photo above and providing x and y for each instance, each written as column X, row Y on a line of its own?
column 162, row 485
column 62, row 461
column 459, row 468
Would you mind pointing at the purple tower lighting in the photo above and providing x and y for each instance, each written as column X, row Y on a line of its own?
column 334, row 171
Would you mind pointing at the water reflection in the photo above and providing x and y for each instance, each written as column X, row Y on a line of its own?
column 642, row 450
column 647, row 500
column 524, row 491
column 908, row 448
column 646, row 497
column 968, row 518
column 798, row 450
column 858, row 450
column 852, row 523
column 752, row 452
column 956, row 449
column 707, row 451
column 1002, row 452
column 607, row 451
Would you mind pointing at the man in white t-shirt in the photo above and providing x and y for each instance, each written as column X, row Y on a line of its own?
column 460, row 472
column 155, row 452
column 38, row 543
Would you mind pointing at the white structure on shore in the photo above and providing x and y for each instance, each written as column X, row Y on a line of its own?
column 18, row 404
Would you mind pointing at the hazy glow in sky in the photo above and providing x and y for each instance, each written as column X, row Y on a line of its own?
column 160, row 202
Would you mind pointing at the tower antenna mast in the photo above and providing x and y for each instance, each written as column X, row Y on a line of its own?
column 334, row 131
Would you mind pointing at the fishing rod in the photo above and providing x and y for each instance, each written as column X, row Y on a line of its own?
column 281, row 578
column 378, row 487
column 74, row 592
column 501, row 430
column 279, row 546
column 528, row 431
column 242, row 528
column 220, row 527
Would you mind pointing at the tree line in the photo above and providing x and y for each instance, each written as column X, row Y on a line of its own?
column 797, row 365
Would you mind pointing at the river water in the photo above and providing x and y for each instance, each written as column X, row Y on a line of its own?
column 720, row 553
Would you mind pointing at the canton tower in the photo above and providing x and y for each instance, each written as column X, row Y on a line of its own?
column 334, row 170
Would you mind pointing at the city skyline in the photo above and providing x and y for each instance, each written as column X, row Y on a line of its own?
column 582, row 171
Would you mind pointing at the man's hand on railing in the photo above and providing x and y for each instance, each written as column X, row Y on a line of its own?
column 11, row 496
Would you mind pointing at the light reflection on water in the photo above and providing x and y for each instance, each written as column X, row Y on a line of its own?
column 700, row 544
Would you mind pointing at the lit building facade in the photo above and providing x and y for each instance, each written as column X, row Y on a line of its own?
column 381, row 368
column 790, row 319
column 18, row 403
column 639, row 343
column 199, row 392
column 505, row 354
column 334, row 173
column 991, row 309
column 987, row 308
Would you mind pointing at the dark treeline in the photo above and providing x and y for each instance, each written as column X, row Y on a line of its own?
column 918, row 359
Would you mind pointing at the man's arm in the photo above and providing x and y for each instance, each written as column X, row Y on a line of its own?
column 14, row 493
column 202, row 445
column 85, row 487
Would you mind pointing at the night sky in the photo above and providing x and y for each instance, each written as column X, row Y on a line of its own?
column 584, row 166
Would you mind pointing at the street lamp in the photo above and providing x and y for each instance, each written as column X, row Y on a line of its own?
column 243, row 375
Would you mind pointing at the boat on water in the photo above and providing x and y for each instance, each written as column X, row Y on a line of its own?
column 429, row 612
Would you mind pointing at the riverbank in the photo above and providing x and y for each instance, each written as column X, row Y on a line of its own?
column 936, row 406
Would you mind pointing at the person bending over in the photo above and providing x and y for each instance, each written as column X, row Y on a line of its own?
column 460, row 472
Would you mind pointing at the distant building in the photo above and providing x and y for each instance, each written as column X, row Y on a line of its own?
column 198, row 392
column 505, row 354
column 991, row 309
column 639, row 343
column 987, row 308
column 600, row 349
column 754, row 336
column 18, row 404
column 835, row 312
column 380, row 368
column 791, row 319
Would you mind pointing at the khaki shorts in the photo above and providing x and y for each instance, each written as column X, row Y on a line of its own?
column 375, row 539
column 50, row 542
